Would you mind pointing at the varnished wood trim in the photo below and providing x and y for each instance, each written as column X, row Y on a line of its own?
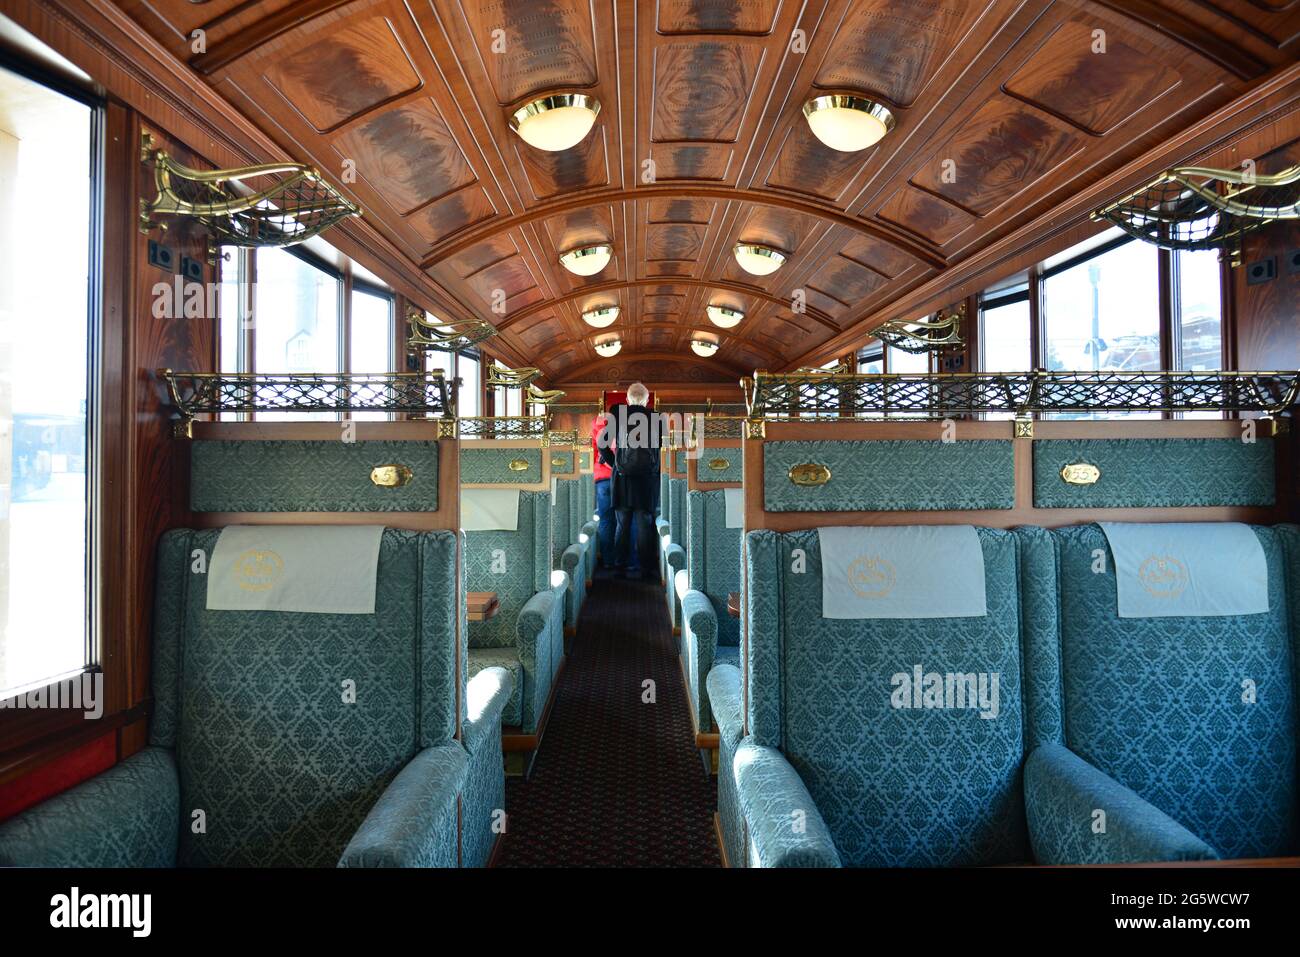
column 717, row 834
column 16, row 762
column 693, row 481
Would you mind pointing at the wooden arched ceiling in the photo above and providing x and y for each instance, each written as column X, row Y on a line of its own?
column 1004, row 109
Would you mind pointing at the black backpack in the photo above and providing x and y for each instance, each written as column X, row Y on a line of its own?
column 636, row 462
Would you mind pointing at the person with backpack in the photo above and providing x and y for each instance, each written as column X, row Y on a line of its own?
column 630, row 446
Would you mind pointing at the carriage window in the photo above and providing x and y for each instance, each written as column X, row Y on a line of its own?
column 370, row 339
column 467, row 401
column 871, row 361
column 47, row 189
column 1005, row 332
column 1104, row 312
column 1198, row 312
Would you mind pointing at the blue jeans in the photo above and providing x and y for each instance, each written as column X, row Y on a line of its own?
column 605, row 531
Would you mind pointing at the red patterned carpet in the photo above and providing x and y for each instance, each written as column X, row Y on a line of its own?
column 616, row 782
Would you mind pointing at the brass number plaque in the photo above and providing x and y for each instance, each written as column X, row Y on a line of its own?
column 391, row 476
column 559, row 462
column 719, row 464
column 518, row 465
column 809, row 474
column 1081, row 473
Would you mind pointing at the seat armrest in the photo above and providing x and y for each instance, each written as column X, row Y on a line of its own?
column 127, row 816
column 590, row 529
column 676, row 558
column 662, row 528
column 1065, row 800
column 785, row 828
column 570, row 559
column 724, row 700
column 682, row 583
column 534, row 618
column 486, row 697
column 413, row 824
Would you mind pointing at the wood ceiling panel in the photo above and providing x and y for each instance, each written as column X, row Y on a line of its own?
column 805, row 165
column 845, row 281
column 701, row 89
column 670, row 241
column 445, row 217
column 1001, row 151
column 342, row 74
column 677, row 17
column 532, row 47
column 580, row 227
column 926, row 215
column 694, row 211
column 676, row 162
column 585, row 166
column 892, row 49
column 1094, row 81
column 409, row 153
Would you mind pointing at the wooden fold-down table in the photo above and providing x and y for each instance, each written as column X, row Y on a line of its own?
column 733, row 604
column 482, row 604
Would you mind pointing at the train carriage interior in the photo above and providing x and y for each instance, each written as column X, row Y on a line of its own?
column 699, row 434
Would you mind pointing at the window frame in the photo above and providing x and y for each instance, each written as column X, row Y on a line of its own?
column 31, row 737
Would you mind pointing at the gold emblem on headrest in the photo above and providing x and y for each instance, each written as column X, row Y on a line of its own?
column 559, row 462
column 258, row 569
column 871, row 576
column 1163, row 576
column 809, row 474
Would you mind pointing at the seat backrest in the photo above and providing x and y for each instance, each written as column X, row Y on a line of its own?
column 713, row 556
column 288, row 726
column 514, row 564
column 561, row 523
column 896, row 784
column 1195, row 714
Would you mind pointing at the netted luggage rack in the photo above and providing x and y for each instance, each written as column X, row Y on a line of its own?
column 1192, row 207
column 834, row 397
column 503, row 427
column 445, row 336
column 276, row 204
column 424, row 394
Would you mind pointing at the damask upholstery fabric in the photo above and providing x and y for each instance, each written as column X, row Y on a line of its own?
column 1195, row 715
column 724, row 689
column 491, row 466
column 679, row 463
column 1040, row 624
column 485, row 795
column 481, row 659
column 269, row 747
column 575, row 594
column 562, row 461
column 309, row 476
column 539, row 640
column 966, row 807
column 413, row 824
column 1155, row 473
column 1064, row 795
column 675, row 559
column 730, row 458
column 892, row 475
column 663, row 493
column 677, row 515
column 713, row 557
column 781, row 818
column 699, row 639
column 726, row 655
column 560, row 521
column 516, row 565
column 128, row 816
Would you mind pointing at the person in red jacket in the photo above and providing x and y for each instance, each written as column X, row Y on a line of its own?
column 603, row 474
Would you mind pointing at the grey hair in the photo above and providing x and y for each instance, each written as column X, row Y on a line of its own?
column 637, row 394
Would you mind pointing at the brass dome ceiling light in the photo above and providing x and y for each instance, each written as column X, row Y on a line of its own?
column 609, row 348
column 703, row 348
column 757, row 259
column 587, row 260
column 556, row 122
column 601, row 316
column 846, row 122
column 724, row 317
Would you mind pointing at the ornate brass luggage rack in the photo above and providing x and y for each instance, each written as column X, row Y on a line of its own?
column 724, row 426
column 834, row 397
column 276, row 204
column 923, row 335
column 415, row 393
column 503, row 427
column 563, row 439
column 1193, row 207
column 443, row 336
column 524, row 379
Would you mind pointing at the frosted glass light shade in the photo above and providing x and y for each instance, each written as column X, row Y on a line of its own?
column 724, row 317
column 610, row 348
column 555, row 122
column 587, row 260
column 600, row 318
column 758, row 260
column 703, row 347
column 847, row 123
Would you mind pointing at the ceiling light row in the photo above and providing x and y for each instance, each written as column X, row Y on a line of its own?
column 846, row 122
column 609, row 348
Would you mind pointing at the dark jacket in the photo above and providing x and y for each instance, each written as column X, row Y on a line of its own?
column 638, row 492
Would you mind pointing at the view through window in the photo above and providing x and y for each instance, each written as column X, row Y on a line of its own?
column 47, row 171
